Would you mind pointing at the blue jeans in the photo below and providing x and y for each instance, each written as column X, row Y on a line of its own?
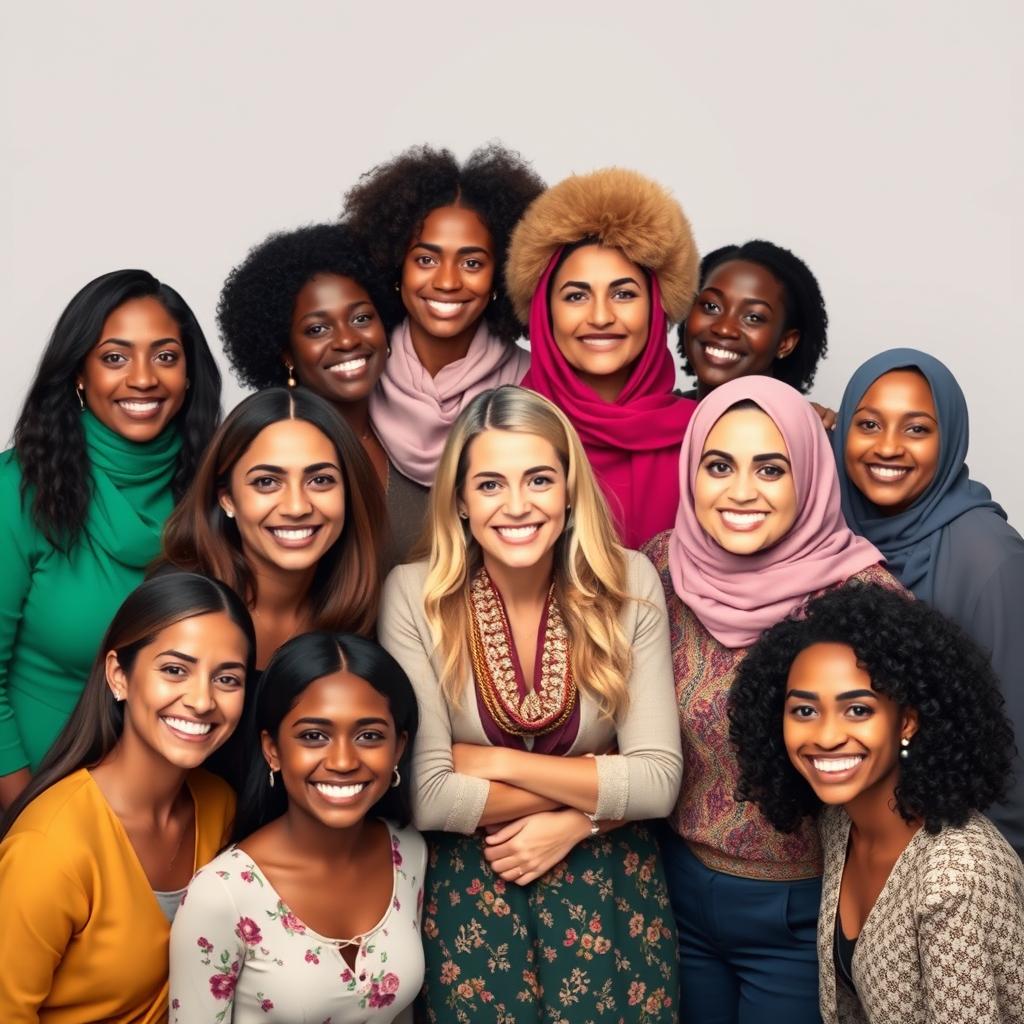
column 747, row 952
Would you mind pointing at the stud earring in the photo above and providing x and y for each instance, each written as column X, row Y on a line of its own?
column 229, row 513
column 905, row 744
column 396, row 779
column 291, row 375
column 80, row 392
column 463, row 514
column 494, row 295
column 271, row 778
column 398, row 286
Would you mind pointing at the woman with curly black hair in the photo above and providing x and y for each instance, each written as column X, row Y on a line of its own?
column 759, row 310
column 438, row 231
column 758, row 533
column 309, row 307
column 893, row 733
column 125, row 399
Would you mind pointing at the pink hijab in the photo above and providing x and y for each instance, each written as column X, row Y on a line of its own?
column 633, row 442
column 737, row 597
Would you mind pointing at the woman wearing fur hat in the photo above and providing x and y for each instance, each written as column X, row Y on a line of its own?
column 598, row 267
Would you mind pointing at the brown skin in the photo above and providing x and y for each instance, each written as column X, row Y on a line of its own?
column 600, row 317
column 833, row 713
column 335, row 324
column 895, row 430
column 450, row 260
column 139, row 358
column 193, row 670
column 330, row 863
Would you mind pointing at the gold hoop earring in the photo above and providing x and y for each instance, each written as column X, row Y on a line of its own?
column 396, row 779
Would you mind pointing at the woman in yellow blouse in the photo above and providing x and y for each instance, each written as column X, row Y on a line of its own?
column 96, row 852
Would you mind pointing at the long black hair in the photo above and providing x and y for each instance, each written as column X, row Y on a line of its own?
column 97, row 722
column 295, row 666
column 48, row 437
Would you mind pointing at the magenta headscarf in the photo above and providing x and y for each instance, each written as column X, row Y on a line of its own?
column 737, row 597
column 633, row 442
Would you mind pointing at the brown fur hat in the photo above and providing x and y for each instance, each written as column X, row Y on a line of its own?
column 622, row 210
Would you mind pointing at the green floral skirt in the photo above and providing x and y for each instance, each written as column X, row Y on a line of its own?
column 591, row 941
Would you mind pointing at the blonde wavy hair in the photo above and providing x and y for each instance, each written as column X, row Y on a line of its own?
column 589, row 565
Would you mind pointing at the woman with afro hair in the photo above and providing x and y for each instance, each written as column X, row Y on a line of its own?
column 438, row 231
column 893, row 735
column 598, row 267
column 308, row 307
column 759, row 310
column 758, row 533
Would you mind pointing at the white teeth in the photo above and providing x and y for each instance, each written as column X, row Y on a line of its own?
column 303, row 534
column 744, row 518
column 721, row 353
column 518, row 532
column 350, row 366
column 837, row 764
column 889, row 472
column 340, row 792
column 185, row 725
column 445, row 307
column 139, row 406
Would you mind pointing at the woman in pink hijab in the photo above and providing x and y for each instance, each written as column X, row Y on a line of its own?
column 598, row 266
column 758, row 532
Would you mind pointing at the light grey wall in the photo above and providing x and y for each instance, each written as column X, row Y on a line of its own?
column 881, row 141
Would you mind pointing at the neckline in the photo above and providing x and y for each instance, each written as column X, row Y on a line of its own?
column 356, row 940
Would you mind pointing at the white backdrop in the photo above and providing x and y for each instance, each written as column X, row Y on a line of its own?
column 880, row 141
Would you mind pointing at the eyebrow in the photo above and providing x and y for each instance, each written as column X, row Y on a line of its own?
column 539, row 469
column 312, row 721
column 586, row 286
column 489, row 475
column 264, row 468
column 846, row 695
column 802, row 694
column 131, row 344
column 324, row 313
column 179, row 654
column 903, row 415
column 750, row 301
column 461, row 251
column 765, row 457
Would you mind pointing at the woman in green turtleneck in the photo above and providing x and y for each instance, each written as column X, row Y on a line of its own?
column 125, row 400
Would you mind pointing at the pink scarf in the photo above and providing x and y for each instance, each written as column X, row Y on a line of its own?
column 633, row 442
column 737, row 597
column 412, row 412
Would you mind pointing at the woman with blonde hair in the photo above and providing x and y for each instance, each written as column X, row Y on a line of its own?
column 539, row 652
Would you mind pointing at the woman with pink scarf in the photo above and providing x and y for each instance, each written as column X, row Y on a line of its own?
column 441, row 230
column 758, row 532
column 598, row 267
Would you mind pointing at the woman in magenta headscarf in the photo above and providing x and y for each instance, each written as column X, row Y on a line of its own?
column 759, row 531
column 598, row 266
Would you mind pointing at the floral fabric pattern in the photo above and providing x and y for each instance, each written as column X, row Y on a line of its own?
column 239, row 954
column 592, row 942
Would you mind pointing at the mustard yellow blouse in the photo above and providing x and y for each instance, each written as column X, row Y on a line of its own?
column 82, row 937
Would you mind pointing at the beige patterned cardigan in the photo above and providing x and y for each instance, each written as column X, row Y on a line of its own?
column 943, row 944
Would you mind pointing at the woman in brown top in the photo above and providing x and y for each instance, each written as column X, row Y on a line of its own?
column 891, row 717
column 758, row 532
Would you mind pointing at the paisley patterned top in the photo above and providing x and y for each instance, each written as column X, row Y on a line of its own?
column 943, row 942
column 239, row 954
column 725, row 835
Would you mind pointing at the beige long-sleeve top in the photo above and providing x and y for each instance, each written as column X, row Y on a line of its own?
column 944, row 942
column 640, row 781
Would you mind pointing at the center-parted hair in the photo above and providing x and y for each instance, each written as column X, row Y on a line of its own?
column 589, row 565
column 199, row 536
column 387, row 207
column 295, row 666
column 959, row 758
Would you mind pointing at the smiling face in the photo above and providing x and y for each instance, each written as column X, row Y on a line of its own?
column 184, row 693
column 842, row 736
column 744, row 494
column 737, row 325
column 134, row 378
column 600, row 316
column 515, row 496
column 287, row 497
column 892, row 448
column 337, row 342
column 336, row 749
column 448, row 273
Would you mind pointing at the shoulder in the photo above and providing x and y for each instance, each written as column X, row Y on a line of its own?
column 833, row 827
column 656, row 550
column 60, row 811
column 407, row 579
column 642, row 579
column 409, row 849
column 214, row 882
column 13, row 506
column 878, row 575
column 981, row 543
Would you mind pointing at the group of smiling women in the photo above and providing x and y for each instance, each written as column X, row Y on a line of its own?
column 740, row 774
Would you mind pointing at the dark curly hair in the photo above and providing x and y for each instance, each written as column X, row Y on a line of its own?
column 49, row 439
column 961, row 754
column 256, row 303
column 805, row 308
column 389, row 203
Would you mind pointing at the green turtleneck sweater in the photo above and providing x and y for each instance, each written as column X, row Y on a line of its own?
column 55, row 608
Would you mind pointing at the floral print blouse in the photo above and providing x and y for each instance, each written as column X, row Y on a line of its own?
column 239, row 954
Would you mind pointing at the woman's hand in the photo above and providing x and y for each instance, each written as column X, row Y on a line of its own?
column 828, row 416
column 525, row 849
column 482, row 762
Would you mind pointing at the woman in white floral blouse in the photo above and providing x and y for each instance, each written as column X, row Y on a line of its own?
column 314, row 913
